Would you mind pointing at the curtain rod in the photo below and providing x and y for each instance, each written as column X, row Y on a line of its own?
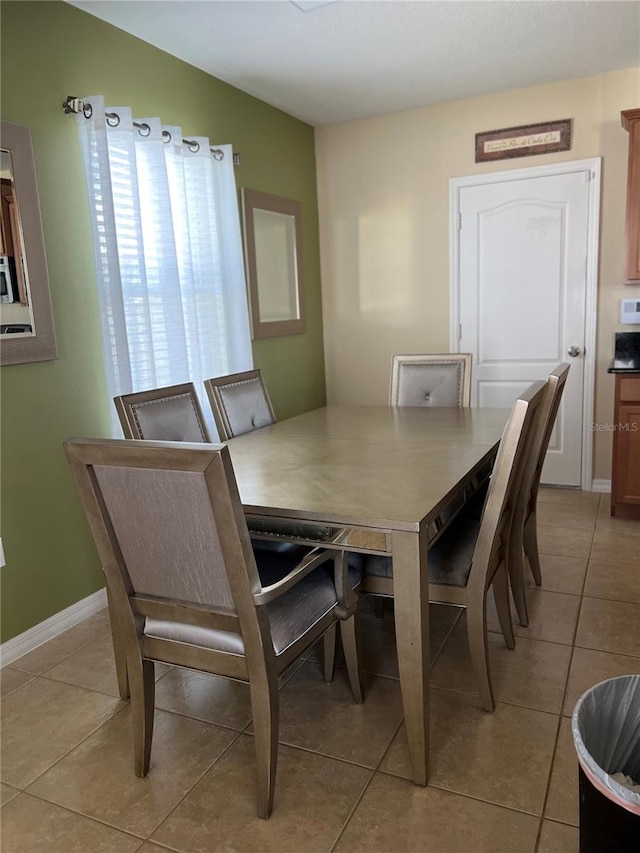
column 77, row 105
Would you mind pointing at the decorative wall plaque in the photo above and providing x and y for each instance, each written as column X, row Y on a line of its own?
column 524, row 141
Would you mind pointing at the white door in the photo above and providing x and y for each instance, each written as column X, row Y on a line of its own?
column 523, row 261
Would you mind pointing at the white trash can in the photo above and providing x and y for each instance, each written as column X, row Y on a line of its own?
column 606, row 735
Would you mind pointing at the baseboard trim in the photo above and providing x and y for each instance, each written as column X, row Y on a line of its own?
column 52, row 627
column 601, row 486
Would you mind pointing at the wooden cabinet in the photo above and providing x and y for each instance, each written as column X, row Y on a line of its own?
column 625, row 481
column 631, row 122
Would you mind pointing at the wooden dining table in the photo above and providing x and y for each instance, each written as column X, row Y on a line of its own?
column 374, row 480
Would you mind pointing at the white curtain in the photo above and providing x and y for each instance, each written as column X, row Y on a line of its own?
column 168, row 252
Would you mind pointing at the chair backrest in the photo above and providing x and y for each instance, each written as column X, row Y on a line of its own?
column 527, row 487
column 431, row 380
column 240, row 403
column 555, row 387
column 491, row 544
column 170, row 530
column 162, row 414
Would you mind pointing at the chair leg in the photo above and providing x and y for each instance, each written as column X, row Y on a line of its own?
column 503, row 605
column 266, row 720
column 515, row 562
column 119, row 651
column 479, row 647
column 530, row 537
column 141, row 674
column 330, row 640
column 350, row 644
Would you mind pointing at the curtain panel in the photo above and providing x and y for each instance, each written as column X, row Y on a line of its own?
column 168, row 252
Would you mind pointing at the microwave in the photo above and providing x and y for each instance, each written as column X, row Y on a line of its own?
column 8, row 283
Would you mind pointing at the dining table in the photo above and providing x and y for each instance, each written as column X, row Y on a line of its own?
column 373, row 480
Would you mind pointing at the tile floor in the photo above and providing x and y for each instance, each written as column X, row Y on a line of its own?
column 500, row 783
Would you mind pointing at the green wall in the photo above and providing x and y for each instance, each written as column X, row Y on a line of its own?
column 51, row 50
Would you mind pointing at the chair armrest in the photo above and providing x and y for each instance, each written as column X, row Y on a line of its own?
column 308, row 564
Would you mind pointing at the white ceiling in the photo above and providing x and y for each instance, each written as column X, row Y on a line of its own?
column 355, row 58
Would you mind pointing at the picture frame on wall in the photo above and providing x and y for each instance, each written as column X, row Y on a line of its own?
column 525, row 140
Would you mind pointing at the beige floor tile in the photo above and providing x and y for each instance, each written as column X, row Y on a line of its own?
column 576, row 515
column 439, row 632
column 378, row 643
column 205, row 697
column 605, row 521
column 94, row 667
column 532, row 675
column 42, row 721
column 503, row 758
column 7, row 793
column 11, row 680
column 56, row 650
column 564, row 541
column 150, row 847
column 314, row 796
column 324, row 718
column 560, row 574
column 395, row 815
column 558, row 838
column 617, row 581
column 97, row 778
column 570, row 497
column 378, row 639
column 30, row 825
column 589, row 667
column 295, row 666
column 562, row 803
column 615, row 547
column 445, row 613
column 552, row 617
column 610, row 626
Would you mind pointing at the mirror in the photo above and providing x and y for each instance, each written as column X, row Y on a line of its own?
column 26, row 319
column 273, row 257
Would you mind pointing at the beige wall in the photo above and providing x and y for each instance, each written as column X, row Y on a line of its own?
column 383, row 187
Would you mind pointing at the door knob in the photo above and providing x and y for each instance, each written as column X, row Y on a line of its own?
column 574, row 352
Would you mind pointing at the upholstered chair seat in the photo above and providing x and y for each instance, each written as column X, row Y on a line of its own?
column 450, row 558
column 291, row 616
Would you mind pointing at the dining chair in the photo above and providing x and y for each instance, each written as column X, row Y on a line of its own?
column 170, row 531
column 523, row 538
column 471, row 556
column 240, row 403
column 162, row 414
column 431, row 380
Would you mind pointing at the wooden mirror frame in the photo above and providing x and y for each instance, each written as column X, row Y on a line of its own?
column 255, row 200
column 41, row 346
